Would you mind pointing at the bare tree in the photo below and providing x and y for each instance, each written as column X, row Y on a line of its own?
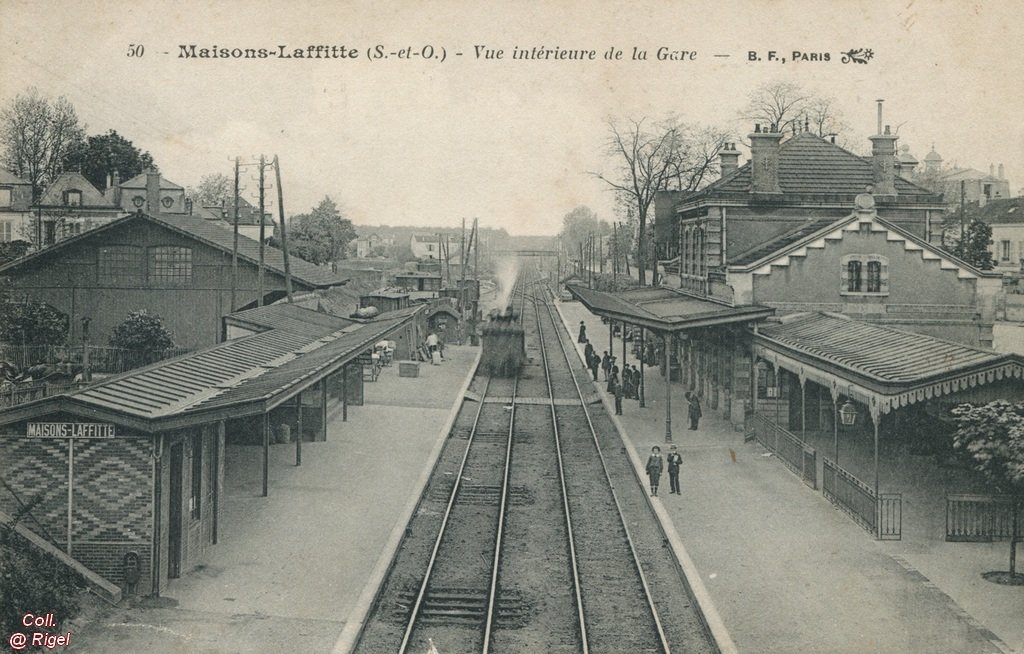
column 651, row 158
column 37, row 135
column 213, row 189
column 776, row 103
column 825, row 118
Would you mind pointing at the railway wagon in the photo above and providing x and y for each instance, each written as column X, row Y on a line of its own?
column 504, row 344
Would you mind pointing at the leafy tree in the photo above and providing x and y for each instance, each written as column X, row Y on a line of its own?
column 11, row 250
column 974, row 247
column 321, row 236
column 213, row 189
column 665, row 156
column 103, row 154
column 993, row 436
column 30, row 322
column 143, row 332
column 578, row 225
column 30, row 579
column 36, row 136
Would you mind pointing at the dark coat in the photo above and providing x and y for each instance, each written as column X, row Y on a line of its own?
column 674, row 461
column 654, row 465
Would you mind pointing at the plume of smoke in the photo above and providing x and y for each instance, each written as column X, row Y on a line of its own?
column 506, row 270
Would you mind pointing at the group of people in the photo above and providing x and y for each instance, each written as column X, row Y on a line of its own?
column 655, row 465
column 626, row 383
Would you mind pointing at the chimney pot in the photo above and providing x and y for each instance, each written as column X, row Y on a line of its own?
column 757, row 128
column 1001, row 175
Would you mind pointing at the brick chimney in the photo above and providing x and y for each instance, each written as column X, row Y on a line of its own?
column 1002, row 174
column 152, row 192
column 729, row 159
column 883, row 158
column 116, row 185
column 764, row 159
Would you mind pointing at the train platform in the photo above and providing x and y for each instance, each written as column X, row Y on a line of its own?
column 290, row 568
column 787, row 571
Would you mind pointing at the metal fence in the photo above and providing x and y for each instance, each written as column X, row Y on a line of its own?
column 797, row 455
column 102, row 359
column 12, row 394
column 881, row 515
column 982, row 518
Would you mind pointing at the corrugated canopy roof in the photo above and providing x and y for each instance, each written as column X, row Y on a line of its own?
column 885, row 368
column 288, row 317
column 664, row 309
column 244, row 376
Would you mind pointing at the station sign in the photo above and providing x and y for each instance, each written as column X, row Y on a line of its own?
column 70, row 430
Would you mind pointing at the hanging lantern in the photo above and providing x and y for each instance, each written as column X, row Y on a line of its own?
column 848, row 413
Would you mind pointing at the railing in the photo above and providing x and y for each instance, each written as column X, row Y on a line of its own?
column 799, row 457
column 881, row 515
column 102, row 359
column 12, row 394
column 982, row 518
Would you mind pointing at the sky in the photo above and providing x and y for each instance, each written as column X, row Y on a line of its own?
column 425, row 142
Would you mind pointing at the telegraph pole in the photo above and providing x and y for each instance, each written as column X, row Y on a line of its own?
column 284, row 235
column 234, row 248
column 259, row 298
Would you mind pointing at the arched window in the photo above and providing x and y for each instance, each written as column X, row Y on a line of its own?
column 853, row 278
column 874, row 277
column 865, row 274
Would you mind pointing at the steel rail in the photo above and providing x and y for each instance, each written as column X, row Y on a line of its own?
column 421, row 594
column 629, row 539
column 565, row 493
column 492, row 596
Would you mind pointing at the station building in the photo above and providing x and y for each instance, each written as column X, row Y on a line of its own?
column 124, row 478
column 161, row 263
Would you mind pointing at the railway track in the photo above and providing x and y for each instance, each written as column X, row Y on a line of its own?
column 521, row 542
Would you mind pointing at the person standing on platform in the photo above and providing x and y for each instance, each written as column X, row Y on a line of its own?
column 693, row 410
column 582, row 338
column 627, row 382
column 587, row 351
column 637, row 382
column 594, row 362
column 606, row 364
column 613, row 378
column 618, row 399
column 674, row 461
column 654, row 465
column 432, row 342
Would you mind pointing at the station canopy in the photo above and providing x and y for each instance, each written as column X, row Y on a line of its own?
column 244, row 376
column 884, row 367
column 665, row 309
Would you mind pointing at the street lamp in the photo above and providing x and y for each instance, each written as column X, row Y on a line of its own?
column 848, row 413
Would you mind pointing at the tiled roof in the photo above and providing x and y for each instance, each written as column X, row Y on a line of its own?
column 290, row 318
column 247, row 214
column 1008, row 211
column 7, row 177
column 205, row 231
column 876, row 351
column 809, row 164
column 91, row 197
column 139, row 181
column 663, row 308
column 764, row 249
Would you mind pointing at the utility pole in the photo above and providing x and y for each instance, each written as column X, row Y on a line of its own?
column 234, row 248
column 963, row 226
column 259, row 299
column 463, row 261
column 284, row 234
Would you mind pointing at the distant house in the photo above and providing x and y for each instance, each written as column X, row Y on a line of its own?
column 365, row 245
column 425, row 246
column 15, row 207
column 143, row 191
column 248, row 218
column 177, row 266
column 1006, row 217
column 69, row 206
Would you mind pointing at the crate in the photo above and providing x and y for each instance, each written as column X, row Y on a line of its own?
column 408, row 368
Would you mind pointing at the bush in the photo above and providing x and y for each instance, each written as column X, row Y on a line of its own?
column 142, row 330
column 32, row 581
column 30, row 322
